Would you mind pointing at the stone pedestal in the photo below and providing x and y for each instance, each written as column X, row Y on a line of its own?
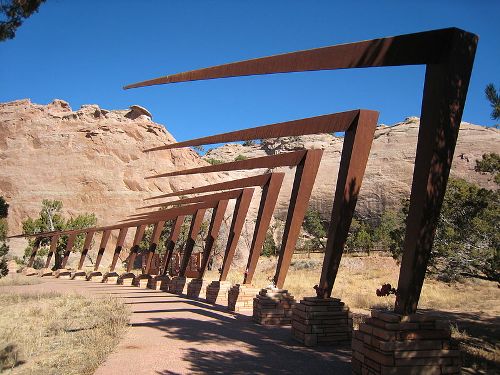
column 240, row 297
column 321, row 321
column 142, row 281
column 197, row 288
column 217, row 292
column 95, row 276
column 178, row 285
column 126, row 279
column 273, row 306
column 45, row 272
column 389, row 343
column 62, row 273
column 29, row 271
column 159, row 283
column 111, row 278
column 78, row 275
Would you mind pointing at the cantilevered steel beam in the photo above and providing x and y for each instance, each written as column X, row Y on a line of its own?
column 194, row 231
column 53, row 248
column 259, row 180
column 69, row 248
column 36, row 247
column 239, row 216
column 171, row 242
column 449, row 56
column 86, row 247
column 155, row 237
column 139, row 233
column 118, row 248
column 102, row 248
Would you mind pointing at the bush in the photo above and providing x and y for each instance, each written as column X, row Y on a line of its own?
column 269, row 248
column 240, row 157
column 213, row 161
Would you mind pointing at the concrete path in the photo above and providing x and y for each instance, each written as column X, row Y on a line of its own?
column 170, row 334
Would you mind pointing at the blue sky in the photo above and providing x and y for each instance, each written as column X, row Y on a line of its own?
column 85, row 51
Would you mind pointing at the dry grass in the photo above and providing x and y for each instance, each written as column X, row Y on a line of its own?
column 58, row 334
column 18, row 279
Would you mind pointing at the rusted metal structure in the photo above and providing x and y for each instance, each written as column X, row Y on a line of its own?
column 448, row 55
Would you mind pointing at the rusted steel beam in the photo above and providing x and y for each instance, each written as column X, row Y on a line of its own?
column 53, row 248
column 171, row 242
column 355, row 152
column 449, row 56
column 118, row 248
column 194, row 230
column 335, row 122
column 36, row 247
column 270, row 193
column 272, row 161
column 139, row 233
column 86, row 247
column 305, row 175
column 213, row 234
column 69, row 247
column 430, row 47
column 102, row 248
column 239, row 216
column 155, row 237
column 197, row 199
column 259, row 180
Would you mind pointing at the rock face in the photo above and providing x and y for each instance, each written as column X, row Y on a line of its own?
column 390, row 166
column 90, row 159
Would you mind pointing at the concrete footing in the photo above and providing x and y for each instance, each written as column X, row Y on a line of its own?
column 29, row 271
column 95, row 276
column 142, row 281
column 111, row 278
column 217, row 292
column 78, row 275
column 241, row 296
column 197, row 288
column 179, row 285
column 321, row 321
column 45, row 272
column 159, row 283
column 273, row 306
column 126, row 279
column 388, row 343
column 62, row 273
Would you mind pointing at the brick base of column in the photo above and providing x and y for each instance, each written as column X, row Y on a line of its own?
column 240, row 297
column 273, row 306
column 111, row 278
column 321, row 321
column 142, row 281
column 95, row 276
column 45, row 272
column 389, row 343
column 217, row 292
column 127, row 279
column 78, row 275
column 62, row 273
column 178, row 285
column 197, row 288
column 29, row 271
column 159, row 282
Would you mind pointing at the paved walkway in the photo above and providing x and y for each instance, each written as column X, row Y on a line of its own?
column 170, row 334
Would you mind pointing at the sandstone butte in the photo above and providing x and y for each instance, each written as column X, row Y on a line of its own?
column 92, row 160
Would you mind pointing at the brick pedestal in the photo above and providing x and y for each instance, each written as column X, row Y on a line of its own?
column 179, row 284
column 45, row 272
column 240, row 297
column 321, row 321
column 197, row 288
column 95, row 276
column 159, row 283
column 62, row 273
column 111, row 278
column 126, row 279
column 389, row 343
column 142, row 281
column 273, row 306
column 217, row 292
column 78, row 275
